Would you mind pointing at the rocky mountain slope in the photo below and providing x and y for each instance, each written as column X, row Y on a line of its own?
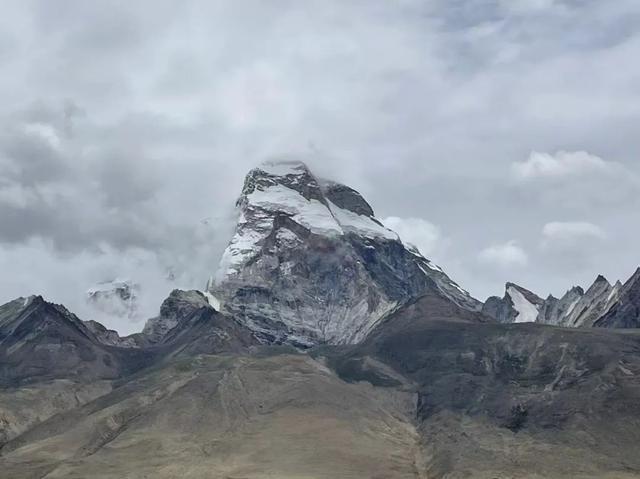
column 601, row 305
column 276, row 415
column 309, row 263
column 493, row 399
column 434, row 391
column 326, row 348
column 51, row 361
column 624, row 312
column 40, row 340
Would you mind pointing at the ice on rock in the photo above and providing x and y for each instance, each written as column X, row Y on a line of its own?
column 310, row 213
column 360, row 224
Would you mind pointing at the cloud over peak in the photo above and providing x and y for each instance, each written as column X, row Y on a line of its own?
column 504, row 255
column 571, row 230
column 562, row 164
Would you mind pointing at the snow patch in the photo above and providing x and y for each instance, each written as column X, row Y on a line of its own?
column 243, row 246
column 361, row 225
column 213, row 301
column 434, row 267
column 312, row 214
column 527, row 312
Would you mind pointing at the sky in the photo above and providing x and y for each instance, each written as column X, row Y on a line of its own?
column 500, row 136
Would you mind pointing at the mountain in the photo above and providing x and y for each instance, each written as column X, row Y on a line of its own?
column 435, row 390
column 310, row 264
column 177, row 306
column 327, row 348
column 189, row 324
column 51, row 361
column 280, row 415
column 41, row 340
column 623, row 310
column 506, row 400
column 519, row 305
column 601, row 305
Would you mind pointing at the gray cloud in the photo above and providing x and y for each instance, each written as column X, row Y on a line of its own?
column 127, row 124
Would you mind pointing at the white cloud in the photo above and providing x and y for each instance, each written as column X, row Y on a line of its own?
column 37, row 268
column 527, row 6
column 506, row 255
column 44, row 132
column 16, row 195
column 574, row 247
column 418, row 105
column 417, row 232
column 561, row 165
column 571, row 231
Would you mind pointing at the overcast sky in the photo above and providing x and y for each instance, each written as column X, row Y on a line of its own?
column 501, row 136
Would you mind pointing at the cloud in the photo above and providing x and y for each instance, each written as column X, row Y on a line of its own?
column 574, row 246
column 563, row 164
column 507, row 255
column 527, row 6
column 126, row 124
column 571, row 232
column 417, row 232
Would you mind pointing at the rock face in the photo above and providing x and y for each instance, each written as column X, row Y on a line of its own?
column 519, row 305
column 190, row 324
column 40, row 340
column 180, row 304
column 624, row 308
column 491, row 398
column 309, row 263
column 602, row 305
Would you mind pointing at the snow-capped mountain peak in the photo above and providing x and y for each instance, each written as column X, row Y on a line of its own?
column 309, row 262
column 289, row 191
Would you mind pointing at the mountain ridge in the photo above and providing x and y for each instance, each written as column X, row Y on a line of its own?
column 601, row 305
column 327, row 348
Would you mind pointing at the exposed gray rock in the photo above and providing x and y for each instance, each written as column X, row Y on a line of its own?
column 585, row 311
column 309, row 263
column 519, row 305
column 557, row 311
column 602, row 305
column 178, row 306
column 623, row 310
column 346, row 198
column 41, row 341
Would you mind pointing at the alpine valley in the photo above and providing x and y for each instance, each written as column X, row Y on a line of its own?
column 324, row 347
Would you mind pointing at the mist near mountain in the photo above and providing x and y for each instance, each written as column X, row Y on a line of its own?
column 507, row 127
column 323, row 346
